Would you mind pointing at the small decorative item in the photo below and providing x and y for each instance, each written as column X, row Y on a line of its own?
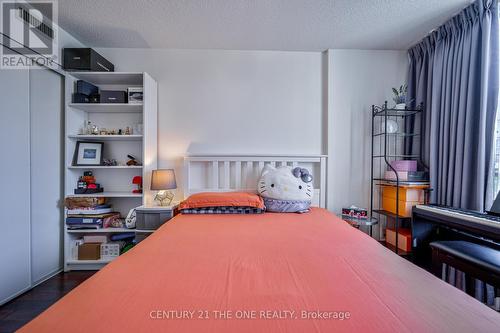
column 128, row 130
column 137, row 129
column 113, row 221
column 135, row 95
column 137, row 180
column 120, row 131
column 103, row 131
column 131, row 219
column 109, row 162
column 163, row 180
column 400, row 97
column 90, row 129
column 87, row 184
column 88, row 153
column 392, row 127
column 132, row 160
column 356, row 212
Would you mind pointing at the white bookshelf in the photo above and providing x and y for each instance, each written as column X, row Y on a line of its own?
column 132, row 137
column 99, row 231
column 111, row 78
column 115, row 194
column 116, row 180
column 107, row 108
column 105, row 167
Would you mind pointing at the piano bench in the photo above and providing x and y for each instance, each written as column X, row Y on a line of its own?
column 475, row 260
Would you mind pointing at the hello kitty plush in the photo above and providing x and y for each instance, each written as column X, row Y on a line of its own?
column 285, row 189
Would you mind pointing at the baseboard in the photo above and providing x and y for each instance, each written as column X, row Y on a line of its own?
column 46, row 277
column 33, row 285
column 19, row 293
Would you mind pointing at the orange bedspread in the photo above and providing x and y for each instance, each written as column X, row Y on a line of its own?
column 263, row 273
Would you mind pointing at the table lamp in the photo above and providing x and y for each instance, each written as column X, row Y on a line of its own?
column 163, row 180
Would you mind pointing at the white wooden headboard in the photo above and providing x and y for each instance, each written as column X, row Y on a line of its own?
column 217, row 173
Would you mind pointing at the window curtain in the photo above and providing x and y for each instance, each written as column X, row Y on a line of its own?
column 454, row 72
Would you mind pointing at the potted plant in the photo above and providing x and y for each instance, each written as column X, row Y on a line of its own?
column 400, row 97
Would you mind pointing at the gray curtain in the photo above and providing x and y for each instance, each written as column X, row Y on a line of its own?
column 454, row 72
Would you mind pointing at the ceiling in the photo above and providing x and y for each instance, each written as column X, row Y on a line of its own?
column 292, row 25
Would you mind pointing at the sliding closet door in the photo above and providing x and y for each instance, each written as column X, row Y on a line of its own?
column 46, row 109
column 15, row 191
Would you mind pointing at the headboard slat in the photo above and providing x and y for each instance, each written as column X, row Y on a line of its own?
column 215, row 174
column 226, row 174
column 237, row 174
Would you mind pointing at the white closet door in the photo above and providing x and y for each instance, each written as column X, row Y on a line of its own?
column 46, row 105
column 15, row 192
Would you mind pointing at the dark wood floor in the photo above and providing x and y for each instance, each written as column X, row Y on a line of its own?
column 22, row 309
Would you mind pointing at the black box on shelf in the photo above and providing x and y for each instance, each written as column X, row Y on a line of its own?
column 113, row 96
column 88, row 190
column 86, row 88
column 80, row 98
column 85, row 59
column 95, row 98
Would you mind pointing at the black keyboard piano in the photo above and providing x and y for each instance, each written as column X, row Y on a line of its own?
column 432, row 222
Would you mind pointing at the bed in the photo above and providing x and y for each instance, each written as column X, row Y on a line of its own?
column 271, row 272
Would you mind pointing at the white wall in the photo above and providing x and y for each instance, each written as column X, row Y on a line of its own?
column 357, row 79
column 216, row 101
column 64, row 39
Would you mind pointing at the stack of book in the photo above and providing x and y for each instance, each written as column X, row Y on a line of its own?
column 89, row 214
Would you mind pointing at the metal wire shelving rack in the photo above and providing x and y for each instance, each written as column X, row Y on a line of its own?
column 392, row 147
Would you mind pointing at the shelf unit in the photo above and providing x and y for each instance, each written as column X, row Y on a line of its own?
column 132, row 137
column 115, row 194
column 107, row 107
column 90, row 167
column 391, row 147
column 99, row 231
column 116, row 180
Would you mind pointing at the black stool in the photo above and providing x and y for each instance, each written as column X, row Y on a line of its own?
column 475, row 260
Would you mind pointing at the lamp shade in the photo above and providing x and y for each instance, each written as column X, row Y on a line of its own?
column 163, row 179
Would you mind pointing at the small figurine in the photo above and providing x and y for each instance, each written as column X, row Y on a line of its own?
column 110, row 162
column 132, row 160
column 127, row 130
column 87, row 184
column 137, row 180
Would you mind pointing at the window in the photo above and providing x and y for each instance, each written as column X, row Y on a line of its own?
column 495, row 185
column 496, row 157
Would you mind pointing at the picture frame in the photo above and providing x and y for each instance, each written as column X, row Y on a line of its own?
column 88, row 153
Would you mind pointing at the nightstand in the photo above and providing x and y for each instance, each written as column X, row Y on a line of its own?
column 150, row 218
